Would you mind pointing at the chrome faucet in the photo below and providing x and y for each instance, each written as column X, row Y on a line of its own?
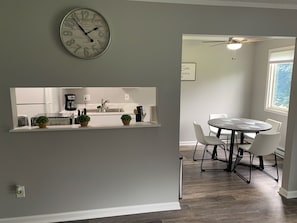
column 103, row 106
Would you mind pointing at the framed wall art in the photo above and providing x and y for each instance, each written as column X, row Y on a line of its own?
column 188, row 71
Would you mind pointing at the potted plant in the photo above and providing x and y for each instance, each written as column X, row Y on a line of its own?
column 83, row 120
column 126, row 118
column 42, row 121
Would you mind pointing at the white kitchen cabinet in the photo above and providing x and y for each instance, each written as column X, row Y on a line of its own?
column 30, row 95
column 32, row 101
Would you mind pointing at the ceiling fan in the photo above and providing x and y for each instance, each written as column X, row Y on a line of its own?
column 232, row 43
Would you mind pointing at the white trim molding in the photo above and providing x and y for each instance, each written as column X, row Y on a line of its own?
column 90, row 214
column 287, row 194
column 274, row 4
column 187, row 143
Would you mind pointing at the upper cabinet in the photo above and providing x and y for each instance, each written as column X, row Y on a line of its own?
column 30, row 95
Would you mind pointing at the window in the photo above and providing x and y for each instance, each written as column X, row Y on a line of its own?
column 280, row 65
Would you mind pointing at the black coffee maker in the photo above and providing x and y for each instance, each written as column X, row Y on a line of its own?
column 70, row 102
column 139, row 114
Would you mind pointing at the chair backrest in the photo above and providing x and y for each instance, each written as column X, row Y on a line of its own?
column 199, row 133
column 276, row 126
column 213, row 116
column 265, row 144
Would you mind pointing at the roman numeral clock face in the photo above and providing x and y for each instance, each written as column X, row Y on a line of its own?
column 85, row 33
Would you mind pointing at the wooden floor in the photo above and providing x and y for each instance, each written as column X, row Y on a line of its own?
column 218, row 196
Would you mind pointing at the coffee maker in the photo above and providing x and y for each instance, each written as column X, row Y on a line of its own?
column 70, row 102
column 139, row 114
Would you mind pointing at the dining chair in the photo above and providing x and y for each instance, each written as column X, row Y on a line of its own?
column 276, row 127
column 224, row 133
column 263, row 145
column 214, row 130
column 206, row 141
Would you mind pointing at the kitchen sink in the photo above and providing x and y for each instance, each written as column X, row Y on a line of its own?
column 106, row 110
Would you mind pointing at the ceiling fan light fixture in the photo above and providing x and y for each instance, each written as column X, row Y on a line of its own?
column 234, row 46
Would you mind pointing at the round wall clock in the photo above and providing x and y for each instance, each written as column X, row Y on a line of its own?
column 85, row 33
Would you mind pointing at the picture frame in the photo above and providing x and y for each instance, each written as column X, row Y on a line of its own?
column 188, row 71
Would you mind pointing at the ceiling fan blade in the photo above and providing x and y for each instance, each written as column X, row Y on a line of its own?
column 217, row 44
column 214, row 41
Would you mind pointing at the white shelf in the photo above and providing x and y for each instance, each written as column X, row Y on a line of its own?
column 78, row 128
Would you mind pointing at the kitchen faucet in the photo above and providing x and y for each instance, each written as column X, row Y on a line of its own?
column 103, row 106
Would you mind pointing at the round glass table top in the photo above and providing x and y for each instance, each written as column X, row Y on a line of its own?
column 240, row 124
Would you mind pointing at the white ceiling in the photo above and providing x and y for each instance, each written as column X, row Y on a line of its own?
column 279, row 4
column 199, row 37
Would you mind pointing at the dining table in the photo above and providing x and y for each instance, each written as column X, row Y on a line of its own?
column 240, row 125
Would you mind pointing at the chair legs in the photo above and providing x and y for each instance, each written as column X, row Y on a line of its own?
column 237, row 161
column 205, row 150
column 194, row 154
column 276, row 166
column 201, row 167
column 194, row 159
column 251, row 158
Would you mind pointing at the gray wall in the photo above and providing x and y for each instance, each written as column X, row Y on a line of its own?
column 107, row 168
column 81, row 170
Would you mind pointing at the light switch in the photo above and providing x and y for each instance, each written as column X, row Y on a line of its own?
column 127, row 97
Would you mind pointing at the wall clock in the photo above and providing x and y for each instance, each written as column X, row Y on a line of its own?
column 85, row 33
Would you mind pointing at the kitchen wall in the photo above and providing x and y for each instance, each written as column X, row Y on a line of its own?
column 82, row 174
column 31, row 102
column 145, row 96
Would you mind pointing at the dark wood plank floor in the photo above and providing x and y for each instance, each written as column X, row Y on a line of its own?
column 220, row 197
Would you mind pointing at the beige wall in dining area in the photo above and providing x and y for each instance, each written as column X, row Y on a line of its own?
column 260, row 81
column 227, row 85
column 222, row 85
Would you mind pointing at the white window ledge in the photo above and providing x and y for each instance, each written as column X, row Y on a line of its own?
column 275, row 111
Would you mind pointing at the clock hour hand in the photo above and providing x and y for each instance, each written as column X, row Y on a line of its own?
column 93, row 30
column 81, row 28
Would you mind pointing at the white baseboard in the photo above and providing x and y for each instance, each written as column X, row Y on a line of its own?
column 280, row 152
column 187, row 143
column 193, row 143
column 287, row 194
column 89, row 214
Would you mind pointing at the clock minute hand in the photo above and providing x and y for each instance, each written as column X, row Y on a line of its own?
column 81, row 28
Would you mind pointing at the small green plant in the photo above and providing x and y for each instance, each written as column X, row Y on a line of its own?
column 126, row 117
column 42, row 119
column 83, row 118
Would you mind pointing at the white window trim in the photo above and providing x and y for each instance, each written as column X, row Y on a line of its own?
column 268, row 94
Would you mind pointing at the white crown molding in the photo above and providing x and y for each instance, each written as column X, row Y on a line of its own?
column 274, row 4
